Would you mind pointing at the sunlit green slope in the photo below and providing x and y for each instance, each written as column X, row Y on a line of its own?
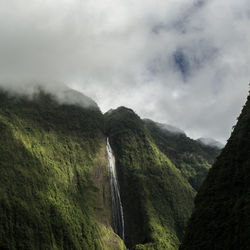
column 54, row 188
column 54, row 177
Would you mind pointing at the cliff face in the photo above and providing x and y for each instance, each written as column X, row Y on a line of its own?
column 55, row 180
column 54, row 188
column 221, row 217
column 157, row 195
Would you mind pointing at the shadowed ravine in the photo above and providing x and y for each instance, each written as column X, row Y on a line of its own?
column 117, row 209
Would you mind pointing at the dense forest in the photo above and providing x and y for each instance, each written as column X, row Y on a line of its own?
column 221, row 218
column 55, row 190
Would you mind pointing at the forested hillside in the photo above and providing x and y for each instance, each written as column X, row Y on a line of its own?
column 192, row 158
column 54, row 188
column 221, row 217
column 55, row 179
column 156, row 193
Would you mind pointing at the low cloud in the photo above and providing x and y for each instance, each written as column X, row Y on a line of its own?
column 179, row 62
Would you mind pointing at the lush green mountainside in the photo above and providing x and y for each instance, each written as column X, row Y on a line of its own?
column 221, row 219
column 54, row 188
column 157, row 199
column 191, row 157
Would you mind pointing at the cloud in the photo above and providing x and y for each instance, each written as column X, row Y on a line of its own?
column 179, row 62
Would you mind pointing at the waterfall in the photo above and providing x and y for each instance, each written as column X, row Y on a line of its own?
column 117, row 209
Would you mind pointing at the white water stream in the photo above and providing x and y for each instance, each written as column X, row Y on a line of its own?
column 117, row 209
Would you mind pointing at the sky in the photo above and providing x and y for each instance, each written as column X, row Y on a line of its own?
column 180, row 62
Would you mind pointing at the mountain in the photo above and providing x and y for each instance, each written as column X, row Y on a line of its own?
column 189, row 156
column 55, row 190
column 157, row 200
column 155, row 168
column 221, row 217
column 166, row 128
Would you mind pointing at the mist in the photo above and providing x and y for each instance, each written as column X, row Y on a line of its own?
column 184, row 63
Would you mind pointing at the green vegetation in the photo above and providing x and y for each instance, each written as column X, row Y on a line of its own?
column 54, row 181
column 189, row 156
column 54, row 189
column 157, row 199
column 221, row 218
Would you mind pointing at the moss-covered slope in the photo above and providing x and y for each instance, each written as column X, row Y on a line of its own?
column 157, row 199
column 221, row 219
column 54, row 188
column 54, row 181
column 191, row 157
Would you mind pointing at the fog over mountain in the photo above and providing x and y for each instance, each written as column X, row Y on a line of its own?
column 168, row 128
column 180, row 62
column 210, row 142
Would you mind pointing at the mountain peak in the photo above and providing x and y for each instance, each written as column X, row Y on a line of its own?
column 73, row 97
column 62, row 95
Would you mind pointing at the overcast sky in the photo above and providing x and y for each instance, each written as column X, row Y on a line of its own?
column 181, row 62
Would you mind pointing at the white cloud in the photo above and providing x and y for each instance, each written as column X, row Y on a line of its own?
column 181, row 62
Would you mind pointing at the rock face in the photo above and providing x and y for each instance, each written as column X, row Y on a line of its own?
column 221, row 219
column 55, row 175
column 156, row 194
column 117, row 209
column 54, row 188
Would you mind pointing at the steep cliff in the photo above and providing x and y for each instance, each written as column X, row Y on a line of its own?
column 221, row 219
column 157, row 199
column 55, row 177
column 54, row 188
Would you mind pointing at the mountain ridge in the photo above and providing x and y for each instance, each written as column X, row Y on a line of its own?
column 55, row 190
